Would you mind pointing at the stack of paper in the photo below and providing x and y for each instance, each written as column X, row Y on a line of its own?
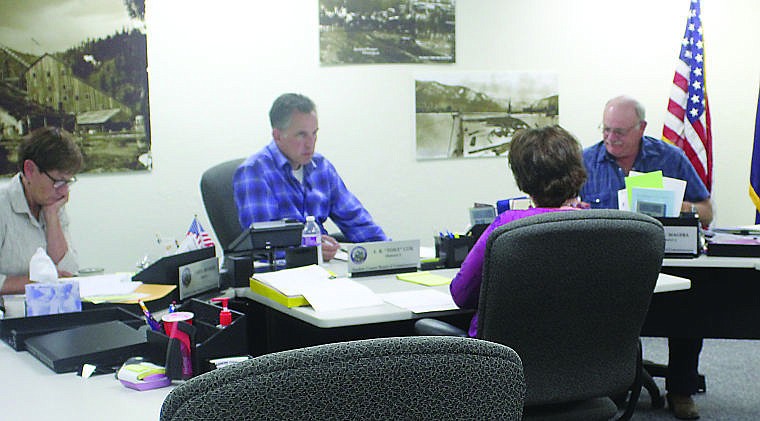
column 315, row 286
column 652, row 194
column 108, row 284
column 421, row 301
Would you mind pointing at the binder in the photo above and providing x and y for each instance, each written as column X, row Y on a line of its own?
column 273, row 294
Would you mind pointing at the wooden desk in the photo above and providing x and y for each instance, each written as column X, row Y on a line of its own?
column 32, row 391
column 287, row 328
column 723, row 301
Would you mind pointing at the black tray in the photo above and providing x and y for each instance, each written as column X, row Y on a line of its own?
column 733, row 250
column 15, row 331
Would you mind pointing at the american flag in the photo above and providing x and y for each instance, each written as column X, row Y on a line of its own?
column 687, row 123
column 201, row 236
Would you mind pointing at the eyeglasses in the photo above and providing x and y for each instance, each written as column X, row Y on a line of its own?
column 606, row 131
column 57, row 184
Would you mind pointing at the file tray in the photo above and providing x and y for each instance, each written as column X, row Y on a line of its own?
column 749, row 248
column 105, row 344
column 15, row 331
column 211, row 341
column 166, row 269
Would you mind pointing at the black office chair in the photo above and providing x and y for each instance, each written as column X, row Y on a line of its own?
column 569, row 292
column 389, row 378
column 219, row 201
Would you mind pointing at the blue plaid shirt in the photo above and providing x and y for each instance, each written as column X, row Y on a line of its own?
column 266, row 190
column 605, row 177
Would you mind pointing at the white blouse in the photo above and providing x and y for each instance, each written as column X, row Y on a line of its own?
column 21, row 234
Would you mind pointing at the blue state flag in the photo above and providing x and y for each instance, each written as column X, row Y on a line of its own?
column 754, row 175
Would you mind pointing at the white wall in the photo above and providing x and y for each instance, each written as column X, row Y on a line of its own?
column 215, row 68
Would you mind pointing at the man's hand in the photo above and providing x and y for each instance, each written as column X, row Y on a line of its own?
column 330, row 246
column 576, row 202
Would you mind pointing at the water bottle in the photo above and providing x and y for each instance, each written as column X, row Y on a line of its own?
column 312, row 236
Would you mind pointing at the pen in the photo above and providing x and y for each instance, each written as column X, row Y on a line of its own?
column 329, row 241
column 152, row 323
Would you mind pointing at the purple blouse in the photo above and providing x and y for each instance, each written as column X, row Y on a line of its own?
column 465, row 287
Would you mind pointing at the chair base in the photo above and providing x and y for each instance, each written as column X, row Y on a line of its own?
column 658, row 402
column 592, row 409
column 661, row 370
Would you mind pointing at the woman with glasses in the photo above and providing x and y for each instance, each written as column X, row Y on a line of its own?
column 32, row 203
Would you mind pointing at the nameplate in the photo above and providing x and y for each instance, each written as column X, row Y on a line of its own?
column 681, row 237
column 681, row 240
column 383, row 257
column 198, row 277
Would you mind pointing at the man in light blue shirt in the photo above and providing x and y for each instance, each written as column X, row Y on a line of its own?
column 625, row 148
column 288, row 179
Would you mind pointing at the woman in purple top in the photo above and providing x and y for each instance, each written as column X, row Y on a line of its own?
column 547, row 164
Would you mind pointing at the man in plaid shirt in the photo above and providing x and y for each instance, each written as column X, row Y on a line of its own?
column 287, row 179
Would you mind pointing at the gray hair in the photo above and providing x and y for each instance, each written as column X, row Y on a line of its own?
column 283, row 107
column 625, row 99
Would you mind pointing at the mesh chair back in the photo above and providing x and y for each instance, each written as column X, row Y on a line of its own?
column 569, row 292
column 422, row 378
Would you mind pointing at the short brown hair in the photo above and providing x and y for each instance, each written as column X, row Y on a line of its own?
column 51, row 148
column 547, row 163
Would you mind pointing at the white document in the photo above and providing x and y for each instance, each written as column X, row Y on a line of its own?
column 427, row 252
column 739, row 230
column 339, row 294
column 421, row 301
column 321, row 288
column 292, row 282
column 341, row 255
column 679, row 189
column 668, row 183
column 623, row 200
column 109, row 284
column 663, row 200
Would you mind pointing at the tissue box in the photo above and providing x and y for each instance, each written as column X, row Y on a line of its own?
column 52, row 298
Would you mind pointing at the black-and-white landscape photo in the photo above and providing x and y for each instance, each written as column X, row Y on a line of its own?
column 80, row 65
column 386, row 31
column 470, row 115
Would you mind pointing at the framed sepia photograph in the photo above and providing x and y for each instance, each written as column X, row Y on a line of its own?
column 80, row 65
column 386, row 31
column 473, row 115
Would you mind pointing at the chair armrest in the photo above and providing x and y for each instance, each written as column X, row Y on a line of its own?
column 434, row 327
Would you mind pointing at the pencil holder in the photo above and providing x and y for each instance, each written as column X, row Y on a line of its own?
column 452, row 250
column 210, row 340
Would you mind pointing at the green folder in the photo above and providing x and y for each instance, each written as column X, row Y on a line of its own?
column 647, row 180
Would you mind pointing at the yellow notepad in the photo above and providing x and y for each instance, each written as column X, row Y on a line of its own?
column 424, row 278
